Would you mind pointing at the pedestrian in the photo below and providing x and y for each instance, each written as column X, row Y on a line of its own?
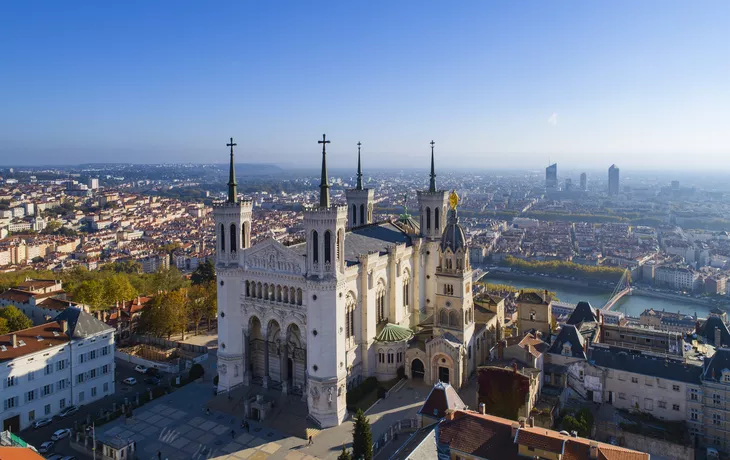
column 248, row 427
column 207, row 411
column 243, row 424
column 311, row 440
column 159, row 455
column 233, row 434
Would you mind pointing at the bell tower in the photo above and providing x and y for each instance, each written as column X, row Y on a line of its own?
column 233, row 236
column 326, row 372
column 432, row 207
column 359, row 200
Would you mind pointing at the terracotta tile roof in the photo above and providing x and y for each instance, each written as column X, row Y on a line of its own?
column 18, row 453
column 442, row 397
column 16, row 295
column 540, row 438
column 30, row 337
column 55, row 304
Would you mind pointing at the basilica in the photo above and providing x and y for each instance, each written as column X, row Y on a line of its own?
column 356, row 299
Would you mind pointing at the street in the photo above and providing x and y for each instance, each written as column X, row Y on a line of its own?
column 36, row 437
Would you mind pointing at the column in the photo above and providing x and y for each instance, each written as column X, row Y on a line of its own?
column 246, row 359
column 283, row 362
column 266, row 361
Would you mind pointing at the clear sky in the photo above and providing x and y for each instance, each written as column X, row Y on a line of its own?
column 503, row 84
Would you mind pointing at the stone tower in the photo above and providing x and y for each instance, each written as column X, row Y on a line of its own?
column 359, row 200
column 233, row 235
column 326, row 372
column 432, row 207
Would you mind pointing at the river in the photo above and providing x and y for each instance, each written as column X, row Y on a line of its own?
column 630, row 305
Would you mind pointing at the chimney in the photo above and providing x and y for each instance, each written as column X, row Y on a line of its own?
column 515, row 427
column 482, row 408
column 531, row 422
column 14, row 339
column 522, row 422
column 64, row 326
column 593, row 453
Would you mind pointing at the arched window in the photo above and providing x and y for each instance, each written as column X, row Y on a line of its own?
column 428, row 218
column 248, row 287
column 223, row 237
column 436, row 216
column 278, row 293
column 285, row 294
column 350, row 316
column 339, row 243
column 243, row 235
column 452, row 319
column 381, row 356
column 292, row 296
column 233, row 237
column 315, row 247
column 380, row 301
column 266, row 291
column 391, row 359
column 354, row 215
column 327, row 247
column 443, row 318
column 259, row 292
column 406, row 290
column 299, row 296
column 362, row 214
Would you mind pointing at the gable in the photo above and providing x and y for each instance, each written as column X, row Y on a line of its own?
column 272, row 256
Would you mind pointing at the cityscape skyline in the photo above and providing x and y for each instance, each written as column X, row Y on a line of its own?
column 640, row 85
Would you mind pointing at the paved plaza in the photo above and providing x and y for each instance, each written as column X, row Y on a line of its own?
column 178, row 426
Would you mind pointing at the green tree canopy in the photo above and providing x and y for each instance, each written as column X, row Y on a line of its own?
column 362, row 438
column 15, row 318
column 205, row 273
column 4, row 329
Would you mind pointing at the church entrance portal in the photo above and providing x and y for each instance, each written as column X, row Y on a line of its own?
column 417, row 370
column 444, row 374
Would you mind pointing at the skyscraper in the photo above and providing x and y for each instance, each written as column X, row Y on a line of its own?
column 551, row 176
column 613, row 180
column 583, row 182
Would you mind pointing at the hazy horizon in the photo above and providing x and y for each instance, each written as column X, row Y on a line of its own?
column 497, row 85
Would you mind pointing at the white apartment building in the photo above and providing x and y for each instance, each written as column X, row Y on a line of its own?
column 44, row 369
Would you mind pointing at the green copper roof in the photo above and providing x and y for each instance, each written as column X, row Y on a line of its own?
column 394, row 333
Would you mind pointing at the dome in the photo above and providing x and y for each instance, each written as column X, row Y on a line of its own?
column 453, row 236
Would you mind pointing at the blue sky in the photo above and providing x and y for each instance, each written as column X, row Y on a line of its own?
column 495, row 84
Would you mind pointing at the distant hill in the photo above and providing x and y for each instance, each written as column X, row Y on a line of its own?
column 257, row 169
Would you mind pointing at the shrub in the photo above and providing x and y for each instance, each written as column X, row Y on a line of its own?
column 357, row 393
column 196, row 372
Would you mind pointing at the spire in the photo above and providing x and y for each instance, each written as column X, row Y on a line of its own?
column 359, row 169
column 232, row 194
column 432, row 186
column 324, row 186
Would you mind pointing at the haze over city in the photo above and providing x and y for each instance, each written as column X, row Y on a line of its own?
column 497, row 85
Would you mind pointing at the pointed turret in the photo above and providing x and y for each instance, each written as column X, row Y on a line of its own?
column 232, row 193
column 324, row 186
column 359, row 168
column 432, row 185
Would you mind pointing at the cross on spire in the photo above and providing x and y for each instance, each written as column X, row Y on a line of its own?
column 232, row 194
column 324, row 186
column 359, row 169
column 432, row 185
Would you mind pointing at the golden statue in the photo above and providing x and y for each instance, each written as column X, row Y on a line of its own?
column 453, row 199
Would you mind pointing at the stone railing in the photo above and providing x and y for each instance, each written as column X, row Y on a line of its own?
column 408, row 425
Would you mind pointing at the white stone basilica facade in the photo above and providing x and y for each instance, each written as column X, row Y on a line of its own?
column 356, row 299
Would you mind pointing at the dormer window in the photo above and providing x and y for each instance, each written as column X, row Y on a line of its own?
column 567, row 349
column 726, row 375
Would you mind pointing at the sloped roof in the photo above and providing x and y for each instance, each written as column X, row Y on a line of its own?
column 645, row 364
column 442, row 397
column 569, row 333
column 708, row 329
column 719, row 362
column 583, row 313
column 534, row 297
column 81, row 324
column 394, row 333
column 540, row 438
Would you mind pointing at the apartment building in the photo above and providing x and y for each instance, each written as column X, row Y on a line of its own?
column 46, row 368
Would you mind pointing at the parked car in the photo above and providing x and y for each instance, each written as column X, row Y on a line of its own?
column 130, row 381
column 153, row 371
column 46, row 447
column 70, row 410
column 60, row 434
column 42, row 422
column 152, row 380
column 140, row 368
column 55, row 457
column 69, row 457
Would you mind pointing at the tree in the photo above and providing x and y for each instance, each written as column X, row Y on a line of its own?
column 196, row 304
column 117, row 288
column 164, row 315
column 205, row 273
column 4, row 329
column 168, row 280
column 362, row 438
column 344, row 455
column 15, row 318
column 91, row 293
column 211, row 302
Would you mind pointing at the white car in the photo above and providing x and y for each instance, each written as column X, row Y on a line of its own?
column 60, row 434
column 140, row 368
column 42, row 422
column 46, row 447
column 130, row 381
